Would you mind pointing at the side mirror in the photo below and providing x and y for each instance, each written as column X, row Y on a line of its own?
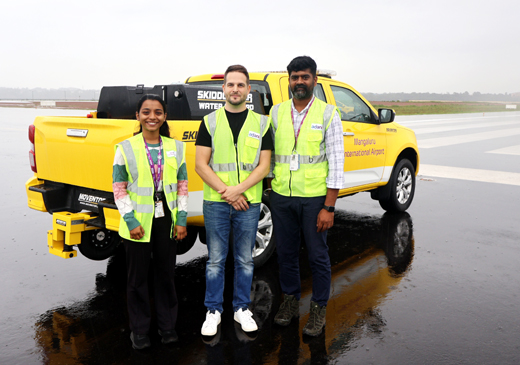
column 386, row 115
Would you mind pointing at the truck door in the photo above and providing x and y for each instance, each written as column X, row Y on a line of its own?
column 364, row 138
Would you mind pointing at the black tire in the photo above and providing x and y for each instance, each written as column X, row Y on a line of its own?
column 264, row 245
column 187, row 243
column 397, row 236
column 99, row 244
column 265, row 294
column 400, row 189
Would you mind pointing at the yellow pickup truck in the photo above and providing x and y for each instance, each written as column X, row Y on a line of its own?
column 72, row 157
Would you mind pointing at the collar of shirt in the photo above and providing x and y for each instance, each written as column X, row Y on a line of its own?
column 298, row 116
column 304, row 109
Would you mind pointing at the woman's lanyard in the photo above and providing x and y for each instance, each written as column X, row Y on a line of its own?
column 156, row 176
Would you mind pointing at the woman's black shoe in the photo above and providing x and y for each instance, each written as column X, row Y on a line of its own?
column 140, row 342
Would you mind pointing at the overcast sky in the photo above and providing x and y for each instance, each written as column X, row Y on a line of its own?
column 374, row 45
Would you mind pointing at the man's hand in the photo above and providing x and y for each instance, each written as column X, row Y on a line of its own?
column 137, row 233
column 241, row 203
column 325, row 220
column 230, row 194
column 180, row 232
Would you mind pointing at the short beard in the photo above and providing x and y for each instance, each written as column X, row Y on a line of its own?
column 238, row 102
column 302, row 94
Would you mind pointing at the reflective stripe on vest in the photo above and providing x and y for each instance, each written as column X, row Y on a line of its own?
column 223, row 160
column 303, row 159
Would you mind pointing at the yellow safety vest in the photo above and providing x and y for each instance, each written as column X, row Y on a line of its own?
column 310, row 179
column 224, row 159
column 140, row 182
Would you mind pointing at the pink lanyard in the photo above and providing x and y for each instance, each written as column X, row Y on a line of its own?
column 156, row 177
column 296, row 135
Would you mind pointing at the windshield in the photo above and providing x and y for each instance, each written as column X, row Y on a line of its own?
column 261, row 87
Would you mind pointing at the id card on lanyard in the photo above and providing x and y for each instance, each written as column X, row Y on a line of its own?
column 156, row 176
column 294, row 161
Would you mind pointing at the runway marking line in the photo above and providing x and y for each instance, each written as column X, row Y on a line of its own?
column 462, row 173
column 466, row 138
column 511, row 150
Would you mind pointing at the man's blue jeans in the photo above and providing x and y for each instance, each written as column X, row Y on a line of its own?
column 220, row 218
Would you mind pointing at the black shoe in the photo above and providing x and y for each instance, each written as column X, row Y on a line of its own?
column 316, row 320
column 288, row 310
column 168, row 336
column 140, row 342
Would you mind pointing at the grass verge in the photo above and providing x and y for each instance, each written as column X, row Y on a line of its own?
column 428, row 107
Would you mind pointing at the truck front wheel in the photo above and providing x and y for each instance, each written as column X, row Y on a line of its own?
column 99, row 244
column 264, row 244
column 401, row 188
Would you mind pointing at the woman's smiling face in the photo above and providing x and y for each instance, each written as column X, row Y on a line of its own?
column 151, row 116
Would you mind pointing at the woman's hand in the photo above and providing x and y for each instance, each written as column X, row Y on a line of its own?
column 180, row 232
column 137, row 233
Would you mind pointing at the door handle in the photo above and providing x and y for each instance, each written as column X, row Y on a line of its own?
column 348, row 134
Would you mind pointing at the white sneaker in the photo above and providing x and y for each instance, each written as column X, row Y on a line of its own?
column 245, row 318
column 210, row 325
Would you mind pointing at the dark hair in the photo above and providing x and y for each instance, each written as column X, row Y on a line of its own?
column 237, row 68
column 302, row 63
column 165, row 129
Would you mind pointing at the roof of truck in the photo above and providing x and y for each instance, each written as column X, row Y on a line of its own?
column 259, row 75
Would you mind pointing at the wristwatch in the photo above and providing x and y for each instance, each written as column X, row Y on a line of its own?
column 328, row 209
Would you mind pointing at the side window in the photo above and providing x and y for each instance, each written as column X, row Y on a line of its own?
column 318, row 92
column 351, row 106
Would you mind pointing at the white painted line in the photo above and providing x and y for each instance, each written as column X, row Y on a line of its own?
column 466, row 138
column 461, row 173
column 458, row 127
column 441, row 122
column 512, row 150
column 456, row 118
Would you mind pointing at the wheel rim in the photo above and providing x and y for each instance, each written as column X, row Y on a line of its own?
column 101, row 239
column 404, row 185
column 264, row 232
column 261, row 300
column 401, row 238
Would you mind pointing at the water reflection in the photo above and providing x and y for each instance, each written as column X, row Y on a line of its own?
column 370, row 255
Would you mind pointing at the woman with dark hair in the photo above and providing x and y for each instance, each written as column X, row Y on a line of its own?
column 151, row 192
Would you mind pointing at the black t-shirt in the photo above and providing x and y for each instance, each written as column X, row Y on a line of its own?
column 236, row 121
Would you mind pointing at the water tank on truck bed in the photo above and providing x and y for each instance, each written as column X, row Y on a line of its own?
column 184, row 102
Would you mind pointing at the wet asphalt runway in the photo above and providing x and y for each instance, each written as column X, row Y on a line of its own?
column 436, row 285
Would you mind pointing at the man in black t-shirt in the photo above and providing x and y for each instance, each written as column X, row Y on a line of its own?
column 236, row 121
column 233, row 154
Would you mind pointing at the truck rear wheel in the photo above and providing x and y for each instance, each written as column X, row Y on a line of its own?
column 99, row 244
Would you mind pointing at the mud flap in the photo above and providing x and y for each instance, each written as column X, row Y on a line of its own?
column 66, row 232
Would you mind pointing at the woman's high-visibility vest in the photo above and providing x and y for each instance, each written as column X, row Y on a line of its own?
column 140, row 182
column 224, row 159
column 310, row 178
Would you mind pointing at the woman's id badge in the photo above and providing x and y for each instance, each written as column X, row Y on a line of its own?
column 159, row 209
column 294, row 162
